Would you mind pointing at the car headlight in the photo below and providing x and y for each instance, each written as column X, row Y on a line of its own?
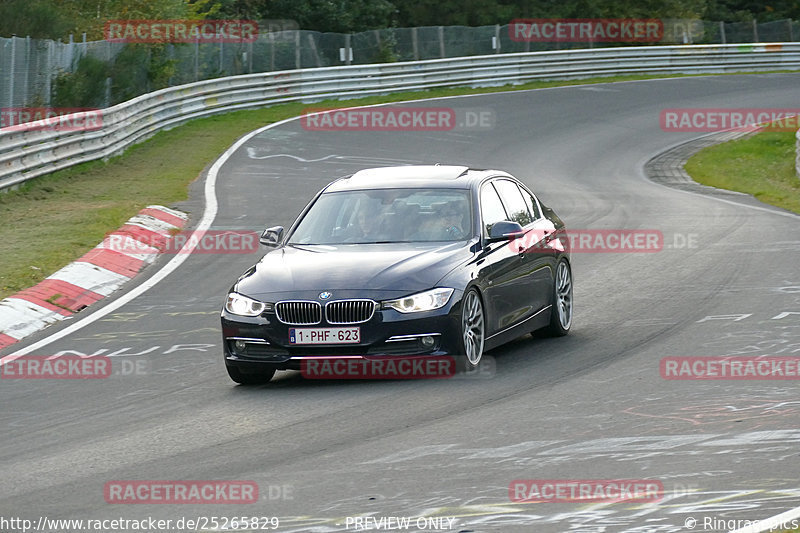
column 238, row 304
column 422, row 301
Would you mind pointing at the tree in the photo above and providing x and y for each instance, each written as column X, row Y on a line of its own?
column 341, row 16
column 34, row 18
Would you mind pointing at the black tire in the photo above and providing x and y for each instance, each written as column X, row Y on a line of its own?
column 250, row 376
column 561, row 311
column 473, row 332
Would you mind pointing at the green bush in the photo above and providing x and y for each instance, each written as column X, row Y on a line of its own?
column 83, row 88
column 386, row 51
column 140, row 69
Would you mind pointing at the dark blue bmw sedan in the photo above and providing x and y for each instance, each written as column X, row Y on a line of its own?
column 418, row 261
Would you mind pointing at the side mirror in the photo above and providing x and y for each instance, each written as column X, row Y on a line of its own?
column 505, row 230
column 272, row 236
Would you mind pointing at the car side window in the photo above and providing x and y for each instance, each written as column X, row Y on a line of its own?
column 492, row 209
column 533, row 205
column 515, row 204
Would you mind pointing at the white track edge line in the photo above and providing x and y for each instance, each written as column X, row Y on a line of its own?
column 209, row 214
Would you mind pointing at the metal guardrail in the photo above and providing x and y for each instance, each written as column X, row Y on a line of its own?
column 27, row 154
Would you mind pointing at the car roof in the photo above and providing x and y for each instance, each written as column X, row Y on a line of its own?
column 412, row 176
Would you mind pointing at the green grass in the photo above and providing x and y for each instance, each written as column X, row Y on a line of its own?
column 761, row 165
column 54, row 219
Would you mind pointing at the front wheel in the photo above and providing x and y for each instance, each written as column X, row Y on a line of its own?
column 250, row 376
column 472, row 331
column 561, row 312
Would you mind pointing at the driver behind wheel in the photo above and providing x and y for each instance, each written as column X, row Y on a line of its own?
column 447, row 225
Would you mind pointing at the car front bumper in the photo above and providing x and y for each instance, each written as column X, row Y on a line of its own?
column 264, row 340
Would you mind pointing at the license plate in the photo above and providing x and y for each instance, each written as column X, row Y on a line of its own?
column 324, row 335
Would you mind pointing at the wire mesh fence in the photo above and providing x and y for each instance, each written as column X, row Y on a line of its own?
column 37, row 72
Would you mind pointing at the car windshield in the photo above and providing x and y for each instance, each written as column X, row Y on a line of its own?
column 386, row 216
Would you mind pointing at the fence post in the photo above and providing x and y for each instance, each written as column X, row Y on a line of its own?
column 755, row 31
column 48, row 73
column 414, row 44
column 722, row 32
column 297, row 49
column 441, row 41
column 11, row 71
column 271, row 37
column 347, row 49
column 791, row 31
column 313, row 46
column 196, row 59
column 27, row 91
column 497, row 38
column 221, row 59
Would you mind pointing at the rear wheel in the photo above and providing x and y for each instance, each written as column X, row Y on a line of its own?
column 472, row 331
column 561, row 312
column 250, row 376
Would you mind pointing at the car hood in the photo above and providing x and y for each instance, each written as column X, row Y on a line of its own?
column 374, row 267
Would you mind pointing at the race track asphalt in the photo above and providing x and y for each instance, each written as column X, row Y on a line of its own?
column 591, row 405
